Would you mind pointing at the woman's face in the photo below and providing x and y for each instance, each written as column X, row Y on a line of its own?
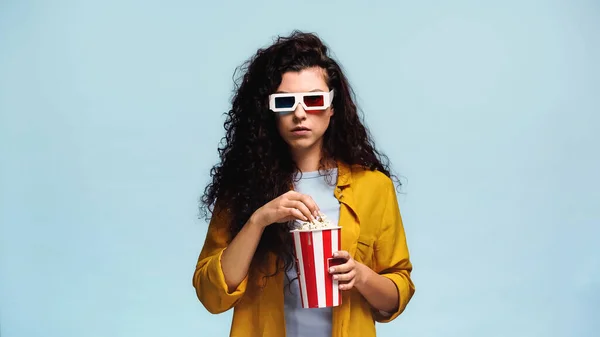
column 303, row 130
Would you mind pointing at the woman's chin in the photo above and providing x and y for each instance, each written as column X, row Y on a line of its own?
column 301, row 145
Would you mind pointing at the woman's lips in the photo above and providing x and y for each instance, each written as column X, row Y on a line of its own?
column 300, row 131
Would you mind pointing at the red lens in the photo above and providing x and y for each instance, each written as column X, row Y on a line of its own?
column 314, row 100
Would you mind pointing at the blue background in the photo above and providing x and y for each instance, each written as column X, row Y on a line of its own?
column 111, row 112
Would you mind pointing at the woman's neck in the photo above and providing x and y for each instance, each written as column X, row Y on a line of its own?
column 310, row 160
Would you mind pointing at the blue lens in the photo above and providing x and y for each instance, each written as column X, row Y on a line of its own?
column 285, row 102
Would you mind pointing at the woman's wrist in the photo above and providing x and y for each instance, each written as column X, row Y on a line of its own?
column 255, row 221
column 378, row 290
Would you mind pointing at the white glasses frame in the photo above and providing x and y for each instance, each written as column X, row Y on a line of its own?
column 299, row 99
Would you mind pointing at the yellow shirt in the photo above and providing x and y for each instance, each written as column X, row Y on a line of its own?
column 372, row 232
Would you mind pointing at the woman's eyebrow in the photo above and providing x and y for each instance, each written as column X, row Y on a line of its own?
column 286, row 92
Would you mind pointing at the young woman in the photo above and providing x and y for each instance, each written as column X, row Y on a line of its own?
column 295, row 146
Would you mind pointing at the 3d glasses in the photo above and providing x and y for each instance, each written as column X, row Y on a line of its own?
column 311, row 101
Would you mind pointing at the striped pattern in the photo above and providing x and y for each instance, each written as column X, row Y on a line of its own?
column 313, row 250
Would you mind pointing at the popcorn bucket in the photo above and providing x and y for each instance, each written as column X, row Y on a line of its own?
column 314, row 249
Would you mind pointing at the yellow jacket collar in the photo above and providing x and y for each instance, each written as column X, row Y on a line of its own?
column 344, row 174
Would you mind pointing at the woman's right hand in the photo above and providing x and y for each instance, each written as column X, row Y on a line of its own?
column 288, row 206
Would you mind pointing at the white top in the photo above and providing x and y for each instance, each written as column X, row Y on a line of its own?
column 314, row 322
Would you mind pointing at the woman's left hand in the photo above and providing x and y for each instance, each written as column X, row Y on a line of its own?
column 349, row 274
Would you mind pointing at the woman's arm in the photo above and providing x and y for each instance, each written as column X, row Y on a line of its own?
column 379, row 291
column 222, row 269
column 388, row 286
column 208, row 280
column 238, row 255
column 236, row 258
column 391, row 256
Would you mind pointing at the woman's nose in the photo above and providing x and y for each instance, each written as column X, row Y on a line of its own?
column 299, row 113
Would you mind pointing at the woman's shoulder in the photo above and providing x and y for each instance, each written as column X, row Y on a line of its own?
column 375, row 179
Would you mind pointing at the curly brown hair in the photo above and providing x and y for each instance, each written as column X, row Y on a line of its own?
column 256, row 165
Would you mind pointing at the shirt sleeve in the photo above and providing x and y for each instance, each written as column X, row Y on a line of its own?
column 209, row 280
column 392, row 258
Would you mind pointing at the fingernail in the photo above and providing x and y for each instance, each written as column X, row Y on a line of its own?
column 331, row 270
column 315, row 214
column 335, row 254
column 335, row 277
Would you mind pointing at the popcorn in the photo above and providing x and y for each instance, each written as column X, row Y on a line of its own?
column 320, row 222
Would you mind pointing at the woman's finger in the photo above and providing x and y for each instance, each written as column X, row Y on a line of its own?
column 299, row 205
column 311, row 204
column 347, row 286
column 306, row 200
column 345, row 277
column 342, row 254
column 294, row 212
column 342, row 268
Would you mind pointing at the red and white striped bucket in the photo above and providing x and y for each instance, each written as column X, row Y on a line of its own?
column 314, row 255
